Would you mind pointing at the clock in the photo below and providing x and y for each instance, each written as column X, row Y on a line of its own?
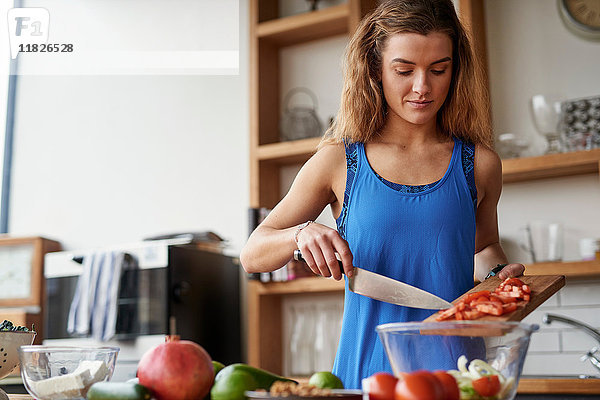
column 582, row 17
column 22, row 270
column 16, row 271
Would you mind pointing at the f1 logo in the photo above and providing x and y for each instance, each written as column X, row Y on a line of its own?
column 27, row 26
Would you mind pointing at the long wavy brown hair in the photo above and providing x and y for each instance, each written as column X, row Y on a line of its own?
column 465, row 112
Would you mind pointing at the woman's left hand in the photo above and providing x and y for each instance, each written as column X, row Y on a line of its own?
column 511, row 270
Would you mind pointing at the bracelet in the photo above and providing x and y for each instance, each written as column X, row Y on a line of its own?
column 495, row 270
column 299, row 228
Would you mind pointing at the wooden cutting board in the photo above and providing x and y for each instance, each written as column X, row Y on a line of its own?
column 542, row 287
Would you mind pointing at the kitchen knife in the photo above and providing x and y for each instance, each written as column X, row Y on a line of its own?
column 386, row 289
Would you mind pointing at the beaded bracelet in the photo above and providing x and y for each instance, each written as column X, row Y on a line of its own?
column 299, row 228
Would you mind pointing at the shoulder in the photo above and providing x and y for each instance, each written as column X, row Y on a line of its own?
column 328, row 163
column 488, row 171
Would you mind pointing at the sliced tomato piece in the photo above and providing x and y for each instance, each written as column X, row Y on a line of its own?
column 514, row 294
column 446, row 314
column 513, row 282
column 526, row 297
column 526, row 288
column 509, row 307
column 472, row 314
column 487, row 386
column 490, row 308
column 472, row 296
column 504, row 299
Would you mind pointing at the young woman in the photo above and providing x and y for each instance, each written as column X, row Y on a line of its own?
column 408, row 171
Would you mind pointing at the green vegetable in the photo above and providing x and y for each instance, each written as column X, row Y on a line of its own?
column 217, row 366
column 235, row 379
column 118, row 391
column 7, row 326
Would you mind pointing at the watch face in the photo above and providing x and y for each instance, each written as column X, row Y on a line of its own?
column 15, row 272
column 584, row 12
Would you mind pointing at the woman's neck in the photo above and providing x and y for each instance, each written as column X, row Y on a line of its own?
column 401, row 132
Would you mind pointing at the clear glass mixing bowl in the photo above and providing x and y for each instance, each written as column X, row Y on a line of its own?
column 412, row 346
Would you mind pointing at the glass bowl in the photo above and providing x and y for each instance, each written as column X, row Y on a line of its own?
column 61, row 372
column 454, row 345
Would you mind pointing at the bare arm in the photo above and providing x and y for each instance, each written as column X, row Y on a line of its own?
column 488, row 252
column 272, row 243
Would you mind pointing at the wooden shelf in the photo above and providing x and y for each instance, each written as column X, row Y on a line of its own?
column 570, row 269
column 305, row 27
column 301, row 285
column 551, row 166
column 296, row 151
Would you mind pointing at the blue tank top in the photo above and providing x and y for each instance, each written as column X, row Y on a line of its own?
column 422, row 235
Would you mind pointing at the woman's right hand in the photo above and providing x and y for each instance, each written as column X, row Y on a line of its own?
column 319, row 245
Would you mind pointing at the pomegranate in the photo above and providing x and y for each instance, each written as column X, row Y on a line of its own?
column 176, row 370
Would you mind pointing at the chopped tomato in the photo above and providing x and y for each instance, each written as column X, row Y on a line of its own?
column 509, row 307
column 472, row 296
column 487, row 386
column 512, row 281
column 503, row 299
column 472, row 314
column 490, row 308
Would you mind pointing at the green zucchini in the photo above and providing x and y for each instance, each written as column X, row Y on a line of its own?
column 118, row 391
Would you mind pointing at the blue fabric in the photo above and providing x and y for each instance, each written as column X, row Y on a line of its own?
column 424, row 237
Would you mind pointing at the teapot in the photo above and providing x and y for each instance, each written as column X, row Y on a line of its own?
column 299, row 122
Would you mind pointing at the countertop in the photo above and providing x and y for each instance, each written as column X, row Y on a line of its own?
column 526, row 386
column 558, row 386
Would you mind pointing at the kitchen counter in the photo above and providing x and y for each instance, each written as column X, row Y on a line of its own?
column 567, row 385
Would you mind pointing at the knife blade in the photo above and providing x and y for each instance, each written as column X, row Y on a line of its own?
column 386, row 289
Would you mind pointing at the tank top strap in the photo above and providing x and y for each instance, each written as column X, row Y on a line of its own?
column 351, row 149
column 468, row 166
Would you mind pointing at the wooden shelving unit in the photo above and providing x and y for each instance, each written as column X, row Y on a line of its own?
column 268, row 35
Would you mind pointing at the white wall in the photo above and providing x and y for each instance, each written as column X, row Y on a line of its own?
column 110, row 159
column 531, row 52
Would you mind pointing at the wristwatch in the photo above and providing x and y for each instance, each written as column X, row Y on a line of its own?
column 495, row 270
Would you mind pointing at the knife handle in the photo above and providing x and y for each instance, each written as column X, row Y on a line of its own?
column 298, row 257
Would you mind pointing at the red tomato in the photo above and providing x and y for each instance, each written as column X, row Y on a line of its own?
column 381, row 386
column 487, row 385
column 419, row 385
column 449, row 385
